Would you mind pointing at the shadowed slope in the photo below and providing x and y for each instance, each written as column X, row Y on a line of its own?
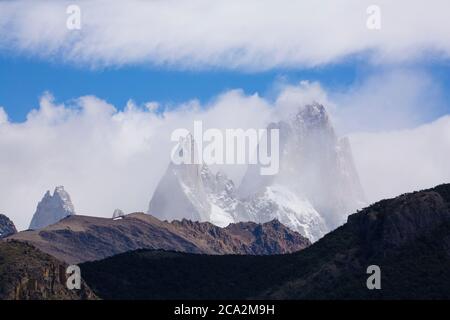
column 408, row 237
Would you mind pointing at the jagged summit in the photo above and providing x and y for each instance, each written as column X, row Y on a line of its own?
column 52, row 208
column 313, row 115
column 65, row 198
column 315, row 189
column 192, row 191
column 316, row 166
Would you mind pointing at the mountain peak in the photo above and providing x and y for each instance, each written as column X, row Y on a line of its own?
column 64, row 197
column 59, row 190
column 317, row 176
column 312, row 116
column 316, row 187
column 52, row 208
column 7, row 227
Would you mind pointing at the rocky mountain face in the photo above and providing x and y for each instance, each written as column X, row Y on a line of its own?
column 28, row 274
column 7, row 227
column 408, row 237
column 317, row 184
column 244, row 237
column 316, row 172
column 52, row 208
column 77, row 238
column 192, row 191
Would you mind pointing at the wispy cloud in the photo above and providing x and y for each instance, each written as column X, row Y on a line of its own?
column 390, row 99
column 250, row 35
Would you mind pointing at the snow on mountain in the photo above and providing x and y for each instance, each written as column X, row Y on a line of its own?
column 52, row 208
column 193, row 192
column 316, row 188
column 278, row 202
column 315, row 165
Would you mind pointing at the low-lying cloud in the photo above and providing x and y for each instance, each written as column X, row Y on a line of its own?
column 395, row 162
column 109, row 158
column 390, row 100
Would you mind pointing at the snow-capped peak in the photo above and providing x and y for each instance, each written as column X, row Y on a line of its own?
column 64, row 199
column 316, row 188
column 52, row 208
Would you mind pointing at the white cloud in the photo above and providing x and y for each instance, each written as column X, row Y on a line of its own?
column 254, row 34
column 396, row 162
column 396, row 144
column 389, row 100
column 291, row 96
column 105, row 158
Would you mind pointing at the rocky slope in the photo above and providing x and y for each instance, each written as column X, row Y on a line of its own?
column 408, row 237
column 7, row 227
column 81, row 238
column 28, row 274
column 52, row 208
column 316, row 186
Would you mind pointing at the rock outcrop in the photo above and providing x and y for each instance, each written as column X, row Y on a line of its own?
column 29, row 274
column 7, row 227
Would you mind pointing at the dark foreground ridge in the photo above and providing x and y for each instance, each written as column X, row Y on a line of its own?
column 408, row 237
column 29, row 274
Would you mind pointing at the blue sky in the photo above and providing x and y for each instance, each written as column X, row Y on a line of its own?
column 143, row 53
column 24, row 79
